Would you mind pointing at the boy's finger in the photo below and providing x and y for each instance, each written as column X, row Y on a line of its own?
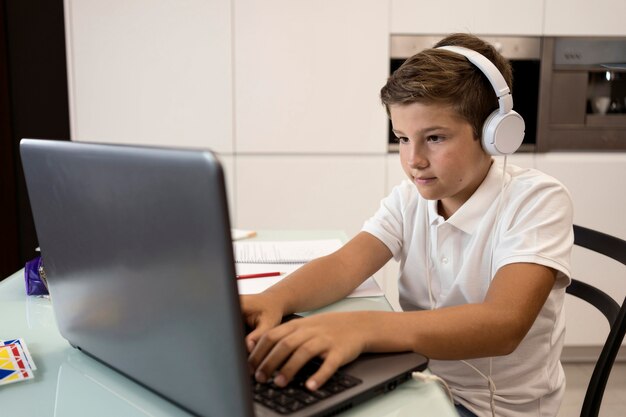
column 300, row 357
column 253, row 337
column 264, row 344
column 259, row 326
column 323, row 374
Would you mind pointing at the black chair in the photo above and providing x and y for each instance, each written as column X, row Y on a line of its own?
column 616, row 315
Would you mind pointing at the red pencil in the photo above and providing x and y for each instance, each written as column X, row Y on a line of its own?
column 260, row 275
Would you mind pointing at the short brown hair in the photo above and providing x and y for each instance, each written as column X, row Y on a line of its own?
column 437, row 76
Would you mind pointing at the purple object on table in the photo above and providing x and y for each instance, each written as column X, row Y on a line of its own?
column 35, row 277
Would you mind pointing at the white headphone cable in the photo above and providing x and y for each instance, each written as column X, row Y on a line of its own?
column 421, row 376
column 490, row 384
column 428, row 275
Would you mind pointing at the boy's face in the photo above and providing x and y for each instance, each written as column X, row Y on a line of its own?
column 439, row 153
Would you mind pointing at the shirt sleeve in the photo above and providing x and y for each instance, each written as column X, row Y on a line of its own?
column 387, row 224
column 537, row 228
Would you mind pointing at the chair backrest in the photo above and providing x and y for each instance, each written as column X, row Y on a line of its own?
column 615, row 313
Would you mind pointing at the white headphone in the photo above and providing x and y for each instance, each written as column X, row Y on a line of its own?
column 503, row 130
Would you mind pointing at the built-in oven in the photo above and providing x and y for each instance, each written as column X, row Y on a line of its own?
column 583, row 97
column 524, row 53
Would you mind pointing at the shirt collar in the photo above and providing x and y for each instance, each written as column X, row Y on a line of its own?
column 467, row 217
column 434, row 217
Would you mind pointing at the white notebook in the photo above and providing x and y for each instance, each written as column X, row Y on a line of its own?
column 283, row 252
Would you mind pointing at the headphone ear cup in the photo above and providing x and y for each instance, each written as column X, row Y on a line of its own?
column 503, row 133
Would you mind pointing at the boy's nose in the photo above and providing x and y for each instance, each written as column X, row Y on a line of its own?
column 416, row 158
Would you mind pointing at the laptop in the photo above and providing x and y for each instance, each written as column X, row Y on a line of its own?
column 136, row 244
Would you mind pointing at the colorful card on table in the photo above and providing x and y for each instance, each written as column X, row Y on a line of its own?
column 16, row 364
column 22, row 344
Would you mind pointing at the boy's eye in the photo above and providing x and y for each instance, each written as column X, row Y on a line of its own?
column 434, row 138
column 403, row 140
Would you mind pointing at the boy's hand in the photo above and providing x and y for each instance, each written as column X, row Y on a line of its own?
column 337, row 338
column 261, row 313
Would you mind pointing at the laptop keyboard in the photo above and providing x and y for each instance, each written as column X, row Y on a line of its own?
column 295, row 396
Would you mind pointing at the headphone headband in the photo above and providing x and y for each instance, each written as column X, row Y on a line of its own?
column 503, row 131
column 502, row 90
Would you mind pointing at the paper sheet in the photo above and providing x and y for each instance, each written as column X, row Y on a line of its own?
column 279, row 252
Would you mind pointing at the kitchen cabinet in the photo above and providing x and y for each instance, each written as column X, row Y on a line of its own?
column 308, row 75
column 228, row 165
column 151, row 72
column 595, row 181
column 333, row 192
column 584, row 18
column 484, row 17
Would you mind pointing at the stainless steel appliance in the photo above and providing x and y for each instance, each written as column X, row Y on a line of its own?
column 582, row 100
column 524, row 53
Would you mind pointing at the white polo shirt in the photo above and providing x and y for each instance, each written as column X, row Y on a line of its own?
column 534, row 226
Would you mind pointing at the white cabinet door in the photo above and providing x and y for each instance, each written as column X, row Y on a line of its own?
column 585, row 18
column 395, row 173
column 308, row 192
column 482, row 17
column 308, row 75
column 228, row 164
column 596, row 183
column 388, row 277
column 150, row 72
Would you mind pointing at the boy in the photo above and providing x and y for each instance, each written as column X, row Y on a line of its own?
column 484, row 257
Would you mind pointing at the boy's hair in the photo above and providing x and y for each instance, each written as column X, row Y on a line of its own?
column 437, row 76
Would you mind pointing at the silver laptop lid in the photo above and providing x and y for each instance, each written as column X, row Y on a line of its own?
column 136, row 245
